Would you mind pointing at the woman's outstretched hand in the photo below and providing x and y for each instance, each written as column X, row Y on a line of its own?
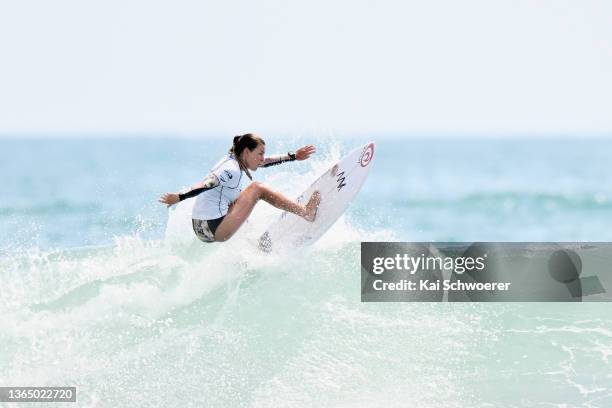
column 304, row 152
column 169, row 199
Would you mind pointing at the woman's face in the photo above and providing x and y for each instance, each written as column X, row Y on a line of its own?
column 252, row 159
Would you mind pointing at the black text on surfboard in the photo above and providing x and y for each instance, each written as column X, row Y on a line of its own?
column 341, row 180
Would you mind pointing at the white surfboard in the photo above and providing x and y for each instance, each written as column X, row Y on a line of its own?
column 338, row 186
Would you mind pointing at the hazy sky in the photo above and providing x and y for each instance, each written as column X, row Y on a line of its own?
column 285, row 66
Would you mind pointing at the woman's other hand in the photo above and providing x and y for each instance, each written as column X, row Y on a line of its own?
column 169, row 199
column 304, row 152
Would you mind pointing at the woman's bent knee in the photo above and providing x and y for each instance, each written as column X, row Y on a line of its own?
column 257, row 187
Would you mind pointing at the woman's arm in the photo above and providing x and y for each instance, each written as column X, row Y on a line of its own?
column 172, row 198
column 302, row 153
column 276, row 160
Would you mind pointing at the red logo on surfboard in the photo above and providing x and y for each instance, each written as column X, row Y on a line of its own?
column 366, row 155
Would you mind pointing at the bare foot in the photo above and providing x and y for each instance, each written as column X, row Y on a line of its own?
column 312, row 206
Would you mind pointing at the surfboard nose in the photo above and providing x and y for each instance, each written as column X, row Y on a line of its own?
column 338, row 186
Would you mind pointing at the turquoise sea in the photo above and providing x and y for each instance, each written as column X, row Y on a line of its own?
column 97, row 294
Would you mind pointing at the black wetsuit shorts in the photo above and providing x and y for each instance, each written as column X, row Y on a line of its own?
column 205, row 229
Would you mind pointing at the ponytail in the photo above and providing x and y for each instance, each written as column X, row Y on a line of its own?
column 235, row 144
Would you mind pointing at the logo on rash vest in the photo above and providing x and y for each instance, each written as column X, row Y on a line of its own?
column 341, row 180
column 366, row 155
column 228, row 174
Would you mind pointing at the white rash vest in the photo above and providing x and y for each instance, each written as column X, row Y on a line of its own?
column 214, row 203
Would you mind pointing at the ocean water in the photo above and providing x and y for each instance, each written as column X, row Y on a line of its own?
column 97, row 294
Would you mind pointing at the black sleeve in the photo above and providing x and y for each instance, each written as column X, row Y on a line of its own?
column 193, row 193
column 209, row 183
column 279, row 160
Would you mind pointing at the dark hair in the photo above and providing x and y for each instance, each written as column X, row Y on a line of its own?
column 247, row 141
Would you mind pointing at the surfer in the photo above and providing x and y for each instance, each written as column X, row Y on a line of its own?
column 222, row 206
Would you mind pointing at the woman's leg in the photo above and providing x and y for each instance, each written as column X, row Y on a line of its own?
column 242, row 207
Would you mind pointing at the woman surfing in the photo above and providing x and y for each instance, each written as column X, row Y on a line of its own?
column 222, row 206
